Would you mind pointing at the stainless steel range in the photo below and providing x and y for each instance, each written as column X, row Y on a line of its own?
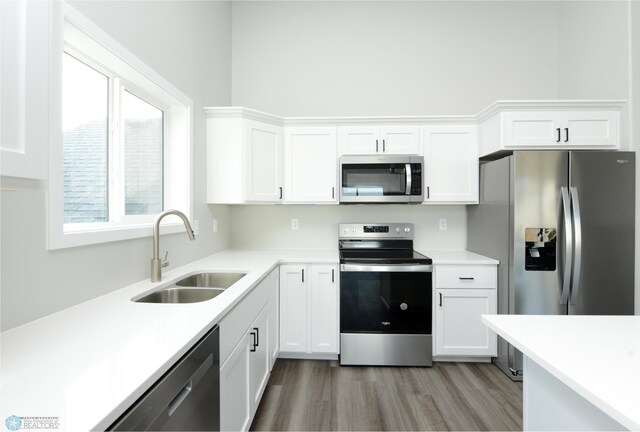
column 385, row 297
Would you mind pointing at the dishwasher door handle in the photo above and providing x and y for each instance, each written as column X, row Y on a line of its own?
column 180, row 397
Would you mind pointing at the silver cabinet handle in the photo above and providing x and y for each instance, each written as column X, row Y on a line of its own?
column 577, row 245
column 465, row 278
column 566, row 136
column 302, row 275
column 333, row 192
column 558, row 131
column 383, row 147
column 568, row 245
column 333, row 275
column 440, row 294
column 376, row 146
column 280, row 192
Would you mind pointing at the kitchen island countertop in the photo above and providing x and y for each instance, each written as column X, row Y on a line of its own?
column 598, row 357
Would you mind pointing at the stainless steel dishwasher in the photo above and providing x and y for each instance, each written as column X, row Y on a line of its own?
column 186, row 398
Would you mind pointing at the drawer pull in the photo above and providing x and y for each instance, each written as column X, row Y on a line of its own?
column 465, row 278
column 440, row 299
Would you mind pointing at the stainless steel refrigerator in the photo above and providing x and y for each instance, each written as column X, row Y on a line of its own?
column 562, row 225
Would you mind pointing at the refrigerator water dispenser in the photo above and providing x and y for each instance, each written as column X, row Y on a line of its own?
column 540, row 249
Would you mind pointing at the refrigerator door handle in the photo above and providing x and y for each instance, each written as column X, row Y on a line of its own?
column 577, row 233
column 568, row 245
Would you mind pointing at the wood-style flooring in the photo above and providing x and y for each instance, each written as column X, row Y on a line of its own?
column 310, row 395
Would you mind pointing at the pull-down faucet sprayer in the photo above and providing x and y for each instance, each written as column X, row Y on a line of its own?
column 156, row 262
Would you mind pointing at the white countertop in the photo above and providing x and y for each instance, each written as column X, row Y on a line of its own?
column 596, row 356
column 456, row 257
column 87, row 364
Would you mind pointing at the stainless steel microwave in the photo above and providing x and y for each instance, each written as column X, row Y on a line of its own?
column 381, row 179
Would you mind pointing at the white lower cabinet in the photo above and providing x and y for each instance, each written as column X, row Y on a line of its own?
column 235, row 403
column 309, row 309
column 246, row 350
column 462, row 294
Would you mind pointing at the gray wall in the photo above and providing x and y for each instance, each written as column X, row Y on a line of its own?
column 391, row 57
column 189, row 44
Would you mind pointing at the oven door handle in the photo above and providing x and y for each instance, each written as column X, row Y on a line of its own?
column 386, row 268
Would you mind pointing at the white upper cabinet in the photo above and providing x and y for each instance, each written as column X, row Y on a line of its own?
column 244, row 157
column 264, row 171
column 364, row 140
column 450, row 164
column 24, row 85
column 310, row 160
column 563, row 125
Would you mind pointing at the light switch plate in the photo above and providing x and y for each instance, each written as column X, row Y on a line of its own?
column 294, row 224
column 443, row 224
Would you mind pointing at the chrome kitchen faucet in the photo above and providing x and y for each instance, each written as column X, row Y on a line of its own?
column 156, row 262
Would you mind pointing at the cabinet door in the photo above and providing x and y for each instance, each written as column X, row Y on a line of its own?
column 532, row 128
column 274, row 316
column 359, row 140
column 235, row 402
column 591, row 129
column 324, row 309
column 258, row 358
column 399, row 140
column 310, row 164
column 459, row 330
column 293, row 308
column 263, row 162
column 24, row 106
column 451, row 164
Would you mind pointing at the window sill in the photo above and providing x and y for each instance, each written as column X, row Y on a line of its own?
column 107, row 234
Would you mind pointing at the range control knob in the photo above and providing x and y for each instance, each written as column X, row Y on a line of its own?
column 404, row 306
column 407, row 229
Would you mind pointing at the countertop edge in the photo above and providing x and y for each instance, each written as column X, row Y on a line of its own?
column 580, row 389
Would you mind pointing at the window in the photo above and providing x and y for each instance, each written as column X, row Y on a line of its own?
column 121, row 141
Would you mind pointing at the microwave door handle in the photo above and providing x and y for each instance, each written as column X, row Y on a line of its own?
column 408, row 173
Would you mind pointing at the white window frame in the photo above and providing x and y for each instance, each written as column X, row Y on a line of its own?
column 74, row 32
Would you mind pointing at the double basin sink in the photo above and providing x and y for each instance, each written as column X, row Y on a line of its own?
column 193, row 289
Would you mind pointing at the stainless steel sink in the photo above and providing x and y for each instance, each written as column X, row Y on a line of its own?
column 211, row 280
column 180, row 295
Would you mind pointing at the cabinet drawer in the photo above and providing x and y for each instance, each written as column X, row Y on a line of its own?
column 465, row 276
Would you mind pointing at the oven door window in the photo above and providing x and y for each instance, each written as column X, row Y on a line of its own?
column 374, row 179
column 385, row 302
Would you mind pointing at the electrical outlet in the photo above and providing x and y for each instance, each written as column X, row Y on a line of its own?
column 215, row 225
column 196, row 227
column 443, row 224
column 294, row 224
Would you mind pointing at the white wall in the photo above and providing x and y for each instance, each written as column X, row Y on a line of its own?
column 257, row 227
column 382, row 58
column 188, row 43
column 338, row 58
